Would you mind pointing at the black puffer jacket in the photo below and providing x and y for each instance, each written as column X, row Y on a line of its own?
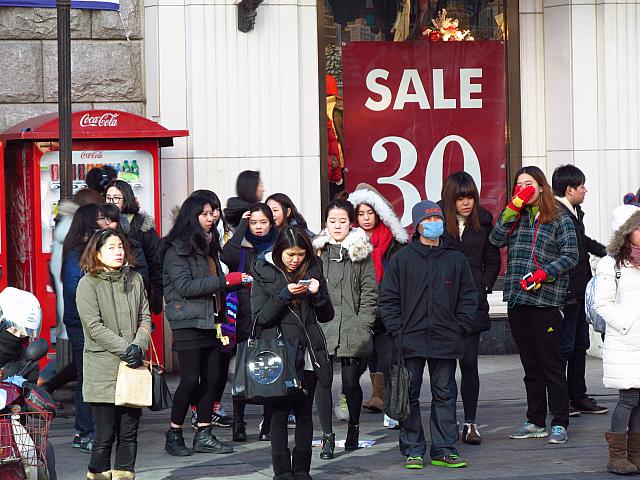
column 271, row 311
column 429, row 293
column 580, row 275
column 484, row 260
column 189, row 287
column 143, row 229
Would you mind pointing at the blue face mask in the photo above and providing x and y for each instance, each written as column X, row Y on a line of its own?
column 432, row 230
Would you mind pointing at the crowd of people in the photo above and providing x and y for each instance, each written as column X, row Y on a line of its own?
column 361, row 294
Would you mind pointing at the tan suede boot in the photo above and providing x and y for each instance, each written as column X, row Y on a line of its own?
column 633, row 448
column 122, row 475
column 618, row 462
column 366, row 403
column 99, row 476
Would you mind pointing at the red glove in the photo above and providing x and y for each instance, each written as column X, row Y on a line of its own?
column 533, row 281
column 233, row 279
column 521, row 198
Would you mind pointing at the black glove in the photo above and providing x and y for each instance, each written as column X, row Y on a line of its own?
column 133, row 356
column 155, row 302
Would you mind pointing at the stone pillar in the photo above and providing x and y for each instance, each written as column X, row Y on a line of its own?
column 250, row 100
column 106, row 68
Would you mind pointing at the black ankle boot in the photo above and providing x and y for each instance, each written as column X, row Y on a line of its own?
column 301, row 464
column 328, row 446
column 206, row 442
column 282, row 465
column 239, row 431
column 174, row 444
column 353, row 434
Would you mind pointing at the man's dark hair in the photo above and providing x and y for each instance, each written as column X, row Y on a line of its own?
column 98, row 178
column 566, row 176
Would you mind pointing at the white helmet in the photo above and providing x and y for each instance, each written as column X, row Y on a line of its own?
column 21, row 310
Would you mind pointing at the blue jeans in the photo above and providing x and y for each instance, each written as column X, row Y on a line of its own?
column 442, row 375
column 84, row 422
column 573, row 349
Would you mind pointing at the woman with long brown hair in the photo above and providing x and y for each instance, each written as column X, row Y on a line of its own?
column 468, row 224
column 542, row 248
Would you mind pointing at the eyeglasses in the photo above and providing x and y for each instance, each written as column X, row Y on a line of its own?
column 99, row 219
column 115, row 199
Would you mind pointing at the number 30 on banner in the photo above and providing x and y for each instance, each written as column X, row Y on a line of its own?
column 434, row 172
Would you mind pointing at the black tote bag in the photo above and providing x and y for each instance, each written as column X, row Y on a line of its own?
column 398, row 380
column 268, row 369
column 160, row 394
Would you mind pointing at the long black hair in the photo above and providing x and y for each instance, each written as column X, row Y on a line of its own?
column 460, row 185
column 113, row 214
column 293, row 236
column 129, row 202
column 84, row 223
column 214, row 201
column 187, row 228
column 247, row 185
column 266, row 210
column 287, row 204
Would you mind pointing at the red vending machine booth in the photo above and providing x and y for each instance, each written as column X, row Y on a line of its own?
column 31, row 169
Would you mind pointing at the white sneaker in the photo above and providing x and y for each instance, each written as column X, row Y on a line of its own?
column 390, row 423
column 341, row 410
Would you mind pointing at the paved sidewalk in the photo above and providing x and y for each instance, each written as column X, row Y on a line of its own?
column 502, row 407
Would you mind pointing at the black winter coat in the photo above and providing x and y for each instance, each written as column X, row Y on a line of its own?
column 271, row 311
column 143, row 229
column 580, row 275
column 189, row 288
column 484, row 260
column 429, row 293
column 231, row 257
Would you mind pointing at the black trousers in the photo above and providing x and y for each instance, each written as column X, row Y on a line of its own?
column 302, row 407
column 537, row 333
column 199, row 377
column 575, row 343
column 119, row 425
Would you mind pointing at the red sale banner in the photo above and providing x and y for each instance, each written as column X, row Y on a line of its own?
column 416, row 112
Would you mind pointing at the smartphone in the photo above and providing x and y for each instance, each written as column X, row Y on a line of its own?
column 247, row 279
column 304, row 283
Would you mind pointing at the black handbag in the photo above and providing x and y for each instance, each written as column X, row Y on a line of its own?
column 268, row 369
column 160, row 393
column 398, row 380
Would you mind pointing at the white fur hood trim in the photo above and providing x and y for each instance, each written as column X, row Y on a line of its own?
column 384, row 211
column 356, row 244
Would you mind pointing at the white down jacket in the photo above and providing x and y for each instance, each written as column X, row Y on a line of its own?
column 620, row 308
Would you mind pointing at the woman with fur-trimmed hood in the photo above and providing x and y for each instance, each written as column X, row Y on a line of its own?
column 351, row 279
column 376, row 217
column 618, row 303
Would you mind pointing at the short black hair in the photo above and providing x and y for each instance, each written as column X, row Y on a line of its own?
column 566, row 176
column 341, row 204
column 247, row 185
column 98, row 177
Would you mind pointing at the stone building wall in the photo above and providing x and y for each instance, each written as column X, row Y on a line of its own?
column 106, row 68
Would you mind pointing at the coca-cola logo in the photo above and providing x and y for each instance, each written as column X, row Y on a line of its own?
column 91, row 155
column 104, row 120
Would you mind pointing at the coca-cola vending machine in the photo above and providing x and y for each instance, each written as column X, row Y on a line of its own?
column 31, row 168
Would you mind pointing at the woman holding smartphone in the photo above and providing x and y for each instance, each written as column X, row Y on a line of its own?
column 351, row 278
column 289, row 292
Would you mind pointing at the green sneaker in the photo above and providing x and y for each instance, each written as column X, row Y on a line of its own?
column 451, row 461
column 414, row 463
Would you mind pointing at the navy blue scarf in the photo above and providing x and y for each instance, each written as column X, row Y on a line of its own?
column 264, row 243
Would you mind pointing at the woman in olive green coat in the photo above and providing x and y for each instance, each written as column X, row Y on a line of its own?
column 114, row 312
column 351, row 279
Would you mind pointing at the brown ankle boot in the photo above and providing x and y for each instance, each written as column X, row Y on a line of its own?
column 633, row 448
column 618, row 462
column 376, row 402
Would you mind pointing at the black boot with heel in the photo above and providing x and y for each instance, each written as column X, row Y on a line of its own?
column 328, row 446
column 353, row 437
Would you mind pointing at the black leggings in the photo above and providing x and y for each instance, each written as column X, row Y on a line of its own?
column 199, row 378
column 470, row 384
column 225, row 359
column 302, row 407
column 352, row 370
